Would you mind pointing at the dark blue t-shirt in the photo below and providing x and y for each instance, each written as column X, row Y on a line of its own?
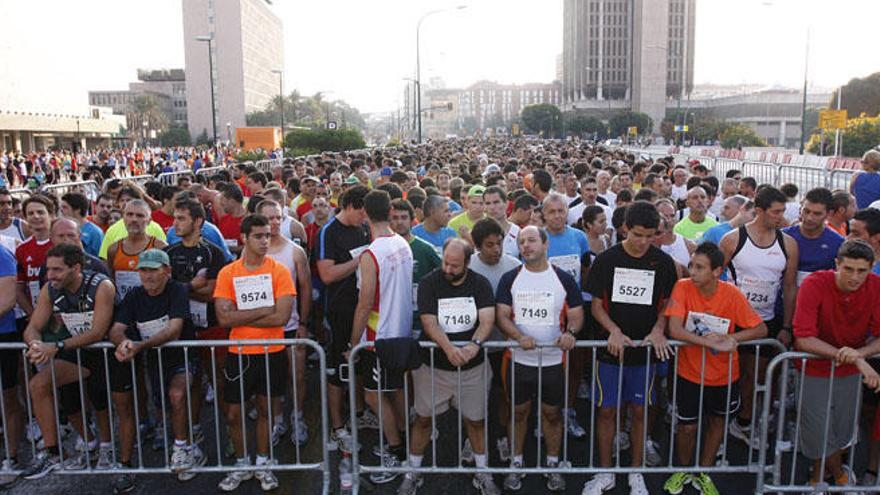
column 7, row 269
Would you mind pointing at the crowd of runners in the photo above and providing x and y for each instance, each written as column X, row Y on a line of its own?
column 463, row 244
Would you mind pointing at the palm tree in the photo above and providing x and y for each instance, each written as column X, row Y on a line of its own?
column 145, row 114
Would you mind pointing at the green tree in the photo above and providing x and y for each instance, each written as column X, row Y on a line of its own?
column 325, row 140
column 620, row 122
column 860, row 135
column 580, row 124
column 740, row 136
column 144, row 115
column 542, row 119
column 859, row 96
column 175, row 136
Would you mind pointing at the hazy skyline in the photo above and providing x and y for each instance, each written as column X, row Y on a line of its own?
column 53, row 52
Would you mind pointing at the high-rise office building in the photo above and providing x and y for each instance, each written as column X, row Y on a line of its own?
column 640, row 52
column 247, row 44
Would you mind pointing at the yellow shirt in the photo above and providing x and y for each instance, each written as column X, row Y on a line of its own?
column 462, row 219
column 117, row 232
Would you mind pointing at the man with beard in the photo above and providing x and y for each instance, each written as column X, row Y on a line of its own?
column 456, row 305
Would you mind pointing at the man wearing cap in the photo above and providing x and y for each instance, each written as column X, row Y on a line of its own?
column 302, row 204
column 151, row 314
column 464, row 221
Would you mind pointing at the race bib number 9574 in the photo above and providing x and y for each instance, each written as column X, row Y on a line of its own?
column 253, row 291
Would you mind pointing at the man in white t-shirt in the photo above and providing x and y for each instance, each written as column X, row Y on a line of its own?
column 589, row 193
column 538, row 304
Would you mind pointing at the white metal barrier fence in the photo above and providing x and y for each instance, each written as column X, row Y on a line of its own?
column 199, row 357
column 580, row 459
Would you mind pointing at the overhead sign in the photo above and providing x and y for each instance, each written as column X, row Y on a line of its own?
column 681, row 128
column 832, row 119
column 331, row 125
column 632, row 131
column 514, row 129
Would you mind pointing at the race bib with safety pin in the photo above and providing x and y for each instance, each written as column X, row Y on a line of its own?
column 533, row 307
column 34, row 289
column 633, row 286
column 570, row 263
column 761, row 294
column 356, row 252
column 127, row 280
column 198, row 313
column 801, row 276
column 703, row 324
column 456, row 314
column 149, row 329
column 77, row 323
column 253, row 291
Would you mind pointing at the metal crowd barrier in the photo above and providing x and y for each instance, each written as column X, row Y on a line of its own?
column 266, row 165
column 170, row 178
column 21, row 193
column 142, row 179
column 90, row 188
column 209, row 170
column 297, row 461
column 573, row 460
column 789, row 468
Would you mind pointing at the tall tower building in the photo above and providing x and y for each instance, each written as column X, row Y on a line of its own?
column 639, row 52
column 247, row 44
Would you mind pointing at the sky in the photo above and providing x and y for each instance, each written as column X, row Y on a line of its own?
column 360, row 50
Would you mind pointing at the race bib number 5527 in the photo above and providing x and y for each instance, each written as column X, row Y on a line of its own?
column 633, row 286
column 253, row 291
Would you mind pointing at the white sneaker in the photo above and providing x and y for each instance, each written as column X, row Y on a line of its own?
column 197, row 459
column 233, row 479
column 467, row 452
column 600, row 483
column 299, row 431
column 278, row 432
column 652, row 454
column 637, row 484
column 621, row 440
column 503, row 447
column 105, row 458
column 209, row 394
column 268, row 480
column 368, row 420
column 574, row 428
column 583, row 390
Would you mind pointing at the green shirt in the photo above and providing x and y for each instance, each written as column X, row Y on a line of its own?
column 425, row 261
column 462, row 220
column 691, row 230
column 117, row 232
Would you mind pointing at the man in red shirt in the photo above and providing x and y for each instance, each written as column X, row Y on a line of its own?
column 164, row 216
column 31, row 254
column 229, row 209
column 835, row 312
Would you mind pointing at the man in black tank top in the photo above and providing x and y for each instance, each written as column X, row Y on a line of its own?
column 763, row 232
column 79, row 306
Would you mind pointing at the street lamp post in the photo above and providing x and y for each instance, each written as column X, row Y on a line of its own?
column 281, row 96
column 418, row 101
column 209, row 38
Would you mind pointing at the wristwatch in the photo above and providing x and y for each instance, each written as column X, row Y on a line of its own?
column 571, row 332
column 478, row 342
column 59, row 345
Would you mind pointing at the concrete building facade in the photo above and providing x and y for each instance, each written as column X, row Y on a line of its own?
column 640, row 52
column 166, row 86
column 247, row 44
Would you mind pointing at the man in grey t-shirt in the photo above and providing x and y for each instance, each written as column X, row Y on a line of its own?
column 490, row 262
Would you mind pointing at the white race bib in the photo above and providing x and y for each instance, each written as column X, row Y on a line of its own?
column 570, row 263
column 761, row 294
column 415, row 297
column 801, row 275
column 633, row 286
column 198, row 313
column 534, row 307
column 456, row 314
column 126, row 280
column 356, row 252
column 77, row 323
column 34, row 289
column 231, row 242
column 150, row 328
column 704, row 323
column 254, row 291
